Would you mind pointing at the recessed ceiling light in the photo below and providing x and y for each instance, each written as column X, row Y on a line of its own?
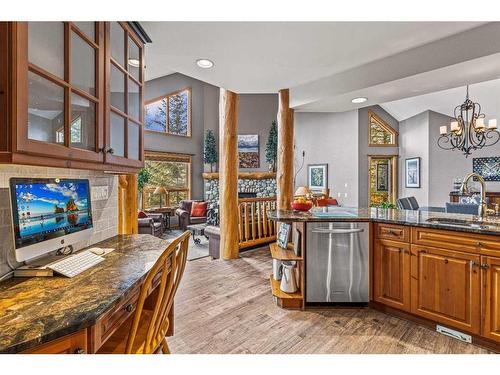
column 359, row 100
column 204, row 63
column 134, row 62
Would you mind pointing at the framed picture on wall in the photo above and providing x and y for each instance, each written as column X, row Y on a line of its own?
column 412, row 173
column 383, row 176
column 317, row 176
column 248, row 150
column 488, row 168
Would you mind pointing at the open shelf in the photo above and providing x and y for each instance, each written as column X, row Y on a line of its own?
column 277, row 292
column 283, row 254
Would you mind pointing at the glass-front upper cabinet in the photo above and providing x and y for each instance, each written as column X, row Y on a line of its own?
column 61, row 67
column 124, row 66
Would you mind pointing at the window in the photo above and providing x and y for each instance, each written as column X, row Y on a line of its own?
column 170, row 114
column 380, row 133
column 171, row 171
column 76, row 132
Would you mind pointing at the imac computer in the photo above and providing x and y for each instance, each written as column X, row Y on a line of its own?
column 49, row 214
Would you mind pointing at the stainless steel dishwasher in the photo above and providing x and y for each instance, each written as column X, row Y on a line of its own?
column 337, row 262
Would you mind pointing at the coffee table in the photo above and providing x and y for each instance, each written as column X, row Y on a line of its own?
column 167, row 213
column 197, row 230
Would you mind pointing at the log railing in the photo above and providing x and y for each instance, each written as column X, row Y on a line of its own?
column 254, row 227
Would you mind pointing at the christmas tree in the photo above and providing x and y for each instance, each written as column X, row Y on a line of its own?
column 272, row 146
column 210, row 152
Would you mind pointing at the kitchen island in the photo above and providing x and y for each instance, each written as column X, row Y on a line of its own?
column 434, row 268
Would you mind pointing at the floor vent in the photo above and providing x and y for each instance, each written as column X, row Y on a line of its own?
column 455, row 334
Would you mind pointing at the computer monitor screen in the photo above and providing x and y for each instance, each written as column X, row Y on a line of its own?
column 48, row 214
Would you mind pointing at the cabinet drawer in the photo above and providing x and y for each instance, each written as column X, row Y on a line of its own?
column 393, row 232
column 458, row 241
column 76, row 343
column 114, row 318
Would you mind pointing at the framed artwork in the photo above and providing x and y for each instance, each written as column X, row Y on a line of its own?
column 248, row 151
column 412, row 172
column 283, row 235
column 382, row 176
column 317, row 176
column 488, row 168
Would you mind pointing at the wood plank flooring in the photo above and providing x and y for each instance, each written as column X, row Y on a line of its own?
column 226, row 307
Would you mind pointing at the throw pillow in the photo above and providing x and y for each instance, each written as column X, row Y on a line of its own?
column 199, row 209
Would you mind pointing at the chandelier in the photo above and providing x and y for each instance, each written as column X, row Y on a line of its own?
column 468, row 130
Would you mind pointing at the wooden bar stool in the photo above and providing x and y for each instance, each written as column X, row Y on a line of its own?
column 145, row 331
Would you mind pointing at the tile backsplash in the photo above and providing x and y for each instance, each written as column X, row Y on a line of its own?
column 104, row 211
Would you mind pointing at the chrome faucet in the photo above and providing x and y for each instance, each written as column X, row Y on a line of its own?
column 464, row 189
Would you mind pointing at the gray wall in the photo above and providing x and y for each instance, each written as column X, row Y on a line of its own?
column 446, row 165
column 256, row 112
column 418, row 137
column 156, row 141
column 104, row 212
column 414, row 142
column 364, row 150
column 329, row 138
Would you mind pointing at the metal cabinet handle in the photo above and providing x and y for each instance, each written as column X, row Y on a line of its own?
column 445, row 261
column 479, row 244
column 484, row 266
column 105, row 150
column 129, row 307
column 337, row 231
column 79, row 351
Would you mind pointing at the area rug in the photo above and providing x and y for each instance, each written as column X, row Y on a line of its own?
column 195, row 251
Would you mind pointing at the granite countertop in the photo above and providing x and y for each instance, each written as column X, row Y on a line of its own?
column 39, row 309
column 491, row 225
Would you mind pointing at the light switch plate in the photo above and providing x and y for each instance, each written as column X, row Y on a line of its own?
column 99, row 193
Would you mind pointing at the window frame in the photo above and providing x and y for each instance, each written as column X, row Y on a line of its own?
column 189, row 114
column 168, row 157
column 377, row 119
column 69, row 88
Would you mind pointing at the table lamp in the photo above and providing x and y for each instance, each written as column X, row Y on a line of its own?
column 302, row 191
column 160, row 190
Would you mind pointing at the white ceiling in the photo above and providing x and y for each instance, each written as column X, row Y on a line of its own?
column 263, row 57
column 485, row 93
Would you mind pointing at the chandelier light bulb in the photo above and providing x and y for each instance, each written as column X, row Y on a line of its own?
column 492, row 124
column 480, row 123
column 443, row 130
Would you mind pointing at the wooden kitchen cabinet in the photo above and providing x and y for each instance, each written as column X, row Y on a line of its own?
column 445, row 287
column 392, row 274
column 63, row 95
column 491, row 297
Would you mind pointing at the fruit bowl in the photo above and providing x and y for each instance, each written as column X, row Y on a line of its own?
column 301, row 206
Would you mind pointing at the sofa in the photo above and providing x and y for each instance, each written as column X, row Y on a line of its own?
column 184, row 214
column 151, row 224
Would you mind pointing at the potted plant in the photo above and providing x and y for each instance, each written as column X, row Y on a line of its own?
column 142, row 179
column 272, row 147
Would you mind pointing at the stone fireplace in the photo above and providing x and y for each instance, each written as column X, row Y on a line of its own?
column 250, row 185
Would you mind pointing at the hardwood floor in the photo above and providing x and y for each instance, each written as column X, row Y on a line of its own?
column 226, row 307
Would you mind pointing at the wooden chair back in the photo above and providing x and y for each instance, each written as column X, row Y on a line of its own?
column 169, row 268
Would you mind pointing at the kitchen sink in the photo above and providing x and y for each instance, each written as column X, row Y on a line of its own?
column 464, row 223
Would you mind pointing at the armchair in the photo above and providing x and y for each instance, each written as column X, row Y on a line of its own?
column 184, row 214
column 151, row 223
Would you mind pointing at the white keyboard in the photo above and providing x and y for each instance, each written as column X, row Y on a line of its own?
column 75, row 264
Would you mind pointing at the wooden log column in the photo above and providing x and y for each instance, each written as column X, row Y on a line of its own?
column 284, row 174
column 127, row 204
column 228, row 174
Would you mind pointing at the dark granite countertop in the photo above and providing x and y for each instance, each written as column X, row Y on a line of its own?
column 40, row 309
column 403, row 217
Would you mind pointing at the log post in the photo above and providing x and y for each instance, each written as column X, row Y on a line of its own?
column 284, row 174
column 127, row 204
column 228, row 174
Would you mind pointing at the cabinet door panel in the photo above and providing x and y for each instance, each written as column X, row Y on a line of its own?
column 392, row 274
column 75, row 343
column 447, row 287
column 491, row 298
